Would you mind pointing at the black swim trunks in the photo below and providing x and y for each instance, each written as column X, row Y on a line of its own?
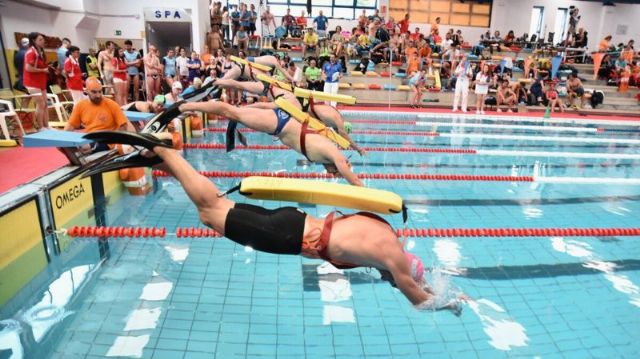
column 277, row 231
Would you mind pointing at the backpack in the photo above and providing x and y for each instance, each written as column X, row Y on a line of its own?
column 597, row 98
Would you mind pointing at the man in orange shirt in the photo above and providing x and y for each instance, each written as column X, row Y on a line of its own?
column 605, row 44
column 96, row 114
column 434, row 27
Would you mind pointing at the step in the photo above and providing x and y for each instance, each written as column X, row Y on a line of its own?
column 371, row 80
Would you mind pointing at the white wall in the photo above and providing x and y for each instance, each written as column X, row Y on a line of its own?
column 84, row 20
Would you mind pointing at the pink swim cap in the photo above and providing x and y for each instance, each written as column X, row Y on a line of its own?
column 416, row 265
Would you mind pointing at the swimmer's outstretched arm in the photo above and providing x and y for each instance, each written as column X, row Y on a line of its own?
column 263, row 105
column 343, row 167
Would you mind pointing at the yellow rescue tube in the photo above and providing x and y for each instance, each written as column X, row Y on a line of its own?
column 271, row 80
column 314, row 124
column 317, row 95
column 318, row 192
column 8, row 143
column 252, row 64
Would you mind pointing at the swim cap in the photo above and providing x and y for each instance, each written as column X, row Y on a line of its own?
column 348, row 126
column 93, row 84
column 159, row 99
column 176, row 85
column 416, row 265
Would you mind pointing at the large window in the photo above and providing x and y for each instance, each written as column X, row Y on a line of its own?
column 560, row 28
column 450, row 12
column 346, row 9
column 537, row 21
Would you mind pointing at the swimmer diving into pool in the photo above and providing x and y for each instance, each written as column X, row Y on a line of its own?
column 315, row 147
column 357, row 240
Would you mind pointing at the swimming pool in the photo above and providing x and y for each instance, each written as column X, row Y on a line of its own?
column 531, row 296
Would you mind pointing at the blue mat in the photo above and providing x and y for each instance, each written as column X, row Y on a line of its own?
column 138, row 116
column 54, row 138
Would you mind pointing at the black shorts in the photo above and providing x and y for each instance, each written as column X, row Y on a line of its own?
column 579, row 91
column 277, row 231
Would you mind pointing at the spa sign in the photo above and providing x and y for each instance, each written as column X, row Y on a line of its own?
column 166, row 14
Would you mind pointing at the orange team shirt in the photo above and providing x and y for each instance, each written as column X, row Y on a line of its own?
column 434, row 28
column 105, row 116
column 413, row 64
column 410, row 51
column 604, row 45
column 627, row 55
column 425, row 51
column 302, row 21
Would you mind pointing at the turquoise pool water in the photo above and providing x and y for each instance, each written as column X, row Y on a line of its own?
column 549, row 297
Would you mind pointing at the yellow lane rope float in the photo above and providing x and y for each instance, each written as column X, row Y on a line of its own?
column 323, row 96
column 252, row 64
column 8, row 143
column 313, row 123
column 272, row 81
column 318, row 192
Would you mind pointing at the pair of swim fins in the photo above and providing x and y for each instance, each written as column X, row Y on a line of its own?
column 145, row 138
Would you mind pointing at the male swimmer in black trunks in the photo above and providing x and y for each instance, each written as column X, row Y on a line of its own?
column 356, row 240
column 315, row 147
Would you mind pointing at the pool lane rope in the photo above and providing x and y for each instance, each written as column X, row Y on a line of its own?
column 420, row 177
column 219, row 146
column 356, row 132
column 198, row 232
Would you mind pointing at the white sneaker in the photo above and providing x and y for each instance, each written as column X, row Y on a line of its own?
column 477, row 112
column 464, row 110
column 455, row 110
column 482, row 112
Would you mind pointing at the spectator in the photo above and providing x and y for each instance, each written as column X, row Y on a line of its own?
column 509, row 39
column 413, row 62
column 35, row 74
column 536, row 93
column 242, row 37
column 462, row 74
column 404, row 24
column 575, row 90
column 119, row 63
column 96, row 114
column 417, row 82
column 252, row 19
column 605, row 44
column 194, row 64
column 62, row 53
column 331, row 73
column 434, row 28
column 245, row 19
column 310, row 42
column 225, row 24
column 324, row 52
column 169, row 66
column 215, row 40
column 301, row 21
column 321, row 23
column 91, row 63
column 288, row 21
column 181, row 64
column 104, row 63
column 375, row 16
column 176, row 91
column 415, row 35
column 133, row 62
column 74, row 74
column 483, row 78
column 153, row 71
column 337, row 42
column 235, row 22
column 18, row 63
column 313, row 76
column 552, row 97
column 506, row 96
column 295, row 74
column 363, row 19
column 268, row 22
column 206, row 56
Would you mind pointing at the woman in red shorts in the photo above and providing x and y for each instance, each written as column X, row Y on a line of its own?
column 36, row 73
column 120, row 76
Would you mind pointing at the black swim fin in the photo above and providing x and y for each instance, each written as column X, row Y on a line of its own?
column 202, row 93
column 134, row 159
column 145, row 140
column 231, row 135
column 242, row 138
column 160, row 121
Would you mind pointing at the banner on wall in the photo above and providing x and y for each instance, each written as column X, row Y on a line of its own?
column 166, row 14
column 597, row 61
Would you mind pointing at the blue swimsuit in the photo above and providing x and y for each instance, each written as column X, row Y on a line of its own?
column 283, row 118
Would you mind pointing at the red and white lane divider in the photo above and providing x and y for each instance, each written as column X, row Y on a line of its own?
column 453, row 150
column 354, row 132
column 197, row 232
column 510, row 127
column 420, row 177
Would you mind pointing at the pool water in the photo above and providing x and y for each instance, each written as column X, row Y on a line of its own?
column 530, row 297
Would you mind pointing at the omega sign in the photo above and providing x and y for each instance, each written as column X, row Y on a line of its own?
column 70, row 199
column 167, row 14
column 69, row 196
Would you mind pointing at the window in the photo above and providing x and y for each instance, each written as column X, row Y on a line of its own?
column 347, row 9
column 450, row 12
column 560, row 28
column 537, row 20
